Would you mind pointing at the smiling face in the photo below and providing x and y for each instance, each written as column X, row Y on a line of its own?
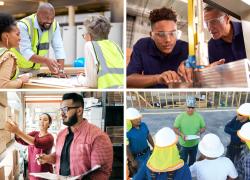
column 45, row 18
column 165, row 42
column 216, row 23
column 44, row 122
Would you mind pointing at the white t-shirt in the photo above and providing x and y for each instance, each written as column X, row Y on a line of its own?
column 216, row 169
column 91, row 67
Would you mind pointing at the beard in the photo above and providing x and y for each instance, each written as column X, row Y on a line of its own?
column 45, row 26
column 71, row 121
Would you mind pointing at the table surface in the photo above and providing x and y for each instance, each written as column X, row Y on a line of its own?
column 47, row 83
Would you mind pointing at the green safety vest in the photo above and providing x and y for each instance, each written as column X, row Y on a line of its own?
column 2, row 51
column 110, row 58
column 40, row 45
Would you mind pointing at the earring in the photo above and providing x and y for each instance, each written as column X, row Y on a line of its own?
column 7, row 43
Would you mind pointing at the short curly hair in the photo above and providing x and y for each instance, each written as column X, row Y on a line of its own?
column 98, row 26
column 162, row 14
column 6, row 23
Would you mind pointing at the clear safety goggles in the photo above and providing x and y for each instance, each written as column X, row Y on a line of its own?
column 164, row 34
column 215, row 21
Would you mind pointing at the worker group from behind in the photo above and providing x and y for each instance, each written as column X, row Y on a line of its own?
column 78, row 148
column 24, row 48
column 170, row 158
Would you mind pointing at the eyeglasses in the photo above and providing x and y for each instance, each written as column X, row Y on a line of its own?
column 84, row 35
column 190, row 107
column 214, row 21
column 163, row 34
column 67, row 108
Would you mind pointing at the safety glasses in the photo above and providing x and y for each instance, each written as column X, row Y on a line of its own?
column 214, row 21
column 164, row 34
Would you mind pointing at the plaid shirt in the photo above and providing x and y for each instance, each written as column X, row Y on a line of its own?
column 89, row 147
column 243, row 165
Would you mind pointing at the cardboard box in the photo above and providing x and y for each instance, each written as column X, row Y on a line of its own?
column 15, row 162
column 2, row 176
column 3, row 99
column 8, row 173
column 3, row 115
column 6, row 136
column 2, row 144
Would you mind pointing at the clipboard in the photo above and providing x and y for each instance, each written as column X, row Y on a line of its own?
column 51, row 176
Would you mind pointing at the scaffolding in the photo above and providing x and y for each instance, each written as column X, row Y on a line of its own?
column 177, row 100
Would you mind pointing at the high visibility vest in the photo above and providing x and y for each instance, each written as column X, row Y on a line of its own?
column 110, row 68
column 40, row 45
column 2, row 51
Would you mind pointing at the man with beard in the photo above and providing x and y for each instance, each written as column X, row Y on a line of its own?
column 82, row 145
column 227, row 42
column 156, row 60
column 38, row 31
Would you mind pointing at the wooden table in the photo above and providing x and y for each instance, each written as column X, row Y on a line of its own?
column 68, row 71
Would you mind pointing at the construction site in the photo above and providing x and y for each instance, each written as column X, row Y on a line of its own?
column 161, row 109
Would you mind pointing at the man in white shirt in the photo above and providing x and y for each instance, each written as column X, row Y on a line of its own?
column 213, row 166
column 39, row 31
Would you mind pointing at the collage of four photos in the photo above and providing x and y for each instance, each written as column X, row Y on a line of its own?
column 122, row 89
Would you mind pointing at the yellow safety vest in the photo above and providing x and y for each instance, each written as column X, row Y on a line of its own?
column 165, row 159
column 40, row 45
column 110, row 59
column 2, row 51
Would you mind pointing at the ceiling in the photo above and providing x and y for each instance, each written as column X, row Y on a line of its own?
column 21, row 8
column 143, row 7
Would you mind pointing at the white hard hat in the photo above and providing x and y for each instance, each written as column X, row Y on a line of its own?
column 211, row 146
column 244, row 109
column 244, row 132
column 165, row 137
column 132, row 114
column 190, row 101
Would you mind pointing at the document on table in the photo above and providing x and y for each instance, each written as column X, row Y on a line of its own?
column 48, row 175
column 65, row 82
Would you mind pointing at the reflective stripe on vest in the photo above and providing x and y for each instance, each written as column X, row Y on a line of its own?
column 40, row 45
column 110, row 58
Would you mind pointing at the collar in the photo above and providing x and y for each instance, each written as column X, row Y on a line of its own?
column 236, row 31
column 80, row 126
column 3, row 50
column 36, row 25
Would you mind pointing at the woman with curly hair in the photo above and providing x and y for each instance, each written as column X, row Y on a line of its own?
column 9, row 38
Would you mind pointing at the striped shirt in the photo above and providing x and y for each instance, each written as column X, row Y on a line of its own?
column 90, row 147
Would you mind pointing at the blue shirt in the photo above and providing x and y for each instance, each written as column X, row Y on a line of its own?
column 232, row 127
column 146, row 58
column 219, row 49
column 25, row 43
column 180, row 174
column 138, row 138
